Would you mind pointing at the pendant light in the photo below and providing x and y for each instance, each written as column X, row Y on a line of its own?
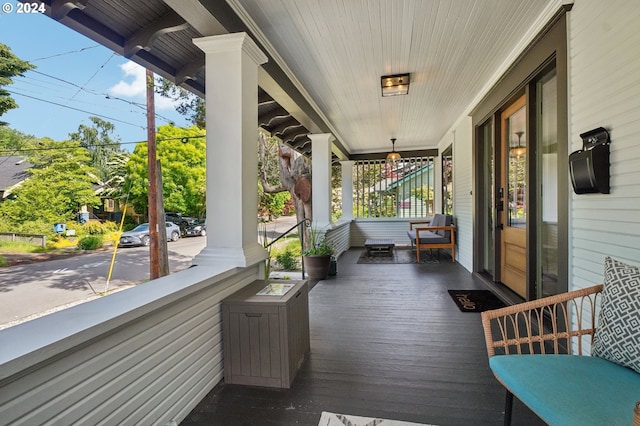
column 393, row 156
column 520, row 150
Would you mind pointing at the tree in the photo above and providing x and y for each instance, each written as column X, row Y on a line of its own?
column 97, row 140
column 294, row 168
column 10, row 66
column 13, row 141
column 294, row 174
column 108, row 158
column 60, row 182
column 183, row 162
column 188, row 104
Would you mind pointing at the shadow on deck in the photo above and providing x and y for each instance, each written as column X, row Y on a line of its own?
column 386, row 341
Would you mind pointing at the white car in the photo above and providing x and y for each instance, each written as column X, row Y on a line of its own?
column 139, row 236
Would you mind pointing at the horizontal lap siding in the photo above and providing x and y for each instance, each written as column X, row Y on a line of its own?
column 380, row 229
column 151, row 371
column 462, row 192
column 604, row 50
column 339, row 237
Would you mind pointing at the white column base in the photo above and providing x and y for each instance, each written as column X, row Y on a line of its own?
column 230, row 257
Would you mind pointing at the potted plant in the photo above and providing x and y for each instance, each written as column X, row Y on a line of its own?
column 317, row 257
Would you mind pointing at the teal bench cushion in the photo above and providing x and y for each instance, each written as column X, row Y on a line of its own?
column 569, row 389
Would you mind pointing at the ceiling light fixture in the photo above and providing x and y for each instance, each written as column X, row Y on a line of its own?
column 520, row 150
column 393, row 156
column 393, row 85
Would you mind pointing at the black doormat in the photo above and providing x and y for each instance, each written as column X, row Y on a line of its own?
column 476, row 300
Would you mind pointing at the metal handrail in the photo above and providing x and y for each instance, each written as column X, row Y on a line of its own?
column 307, row 222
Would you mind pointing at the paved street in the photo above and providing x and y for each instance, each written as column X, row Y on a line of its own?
column 32, row 289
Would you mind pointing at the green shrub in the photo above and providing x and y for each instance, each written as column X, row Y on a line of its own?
column 90, row 242
column 3, row 261
column 287, row 255
column 287, row 260
column 92, row 227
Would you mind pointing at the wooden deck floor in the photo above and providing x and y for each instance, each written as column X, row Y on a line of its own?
column 386, row 341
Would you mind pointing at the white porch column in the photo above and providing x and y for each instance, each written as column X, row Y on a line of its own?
column 232, row 62
column 321, row 179
column 347, row 190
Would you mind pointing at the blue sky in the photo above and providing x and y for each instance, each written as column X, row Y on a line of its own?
column 74, row 71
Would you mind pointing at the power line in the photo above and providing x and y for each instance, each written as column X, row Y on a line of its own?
column 65, row 53
column 105, row 95
column 101, row 67
column 75, row 109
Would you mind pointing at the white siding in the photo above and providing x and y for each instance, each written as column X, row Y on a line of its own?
column 152, row 361
column 604, row 91
column 379, row 228
column 461, row 139
column 339, row 236
column 462, row 192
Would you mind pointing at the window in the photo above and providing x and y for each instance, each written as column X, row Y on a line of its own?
column 403, row 190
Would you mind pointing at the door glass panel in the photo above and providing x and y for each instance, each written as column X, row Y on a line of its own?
column 516, row 169
column 447, row 181
column 489, row 198
column 514, row 247
column 546, row 118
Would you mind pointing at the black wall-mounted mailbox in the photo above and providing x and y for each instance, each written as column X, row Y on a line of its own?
column 589, row 167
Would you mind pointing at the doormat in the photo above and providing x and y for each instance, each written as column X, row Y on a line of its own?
column 401, row 256
column 476, row 300
column 333, row 419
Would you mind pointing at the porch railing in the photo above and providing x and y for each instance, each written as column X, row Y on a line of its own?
column 307, row 223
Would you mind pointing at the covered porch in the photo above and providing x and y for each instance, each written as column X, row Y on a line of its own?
column 386, row 341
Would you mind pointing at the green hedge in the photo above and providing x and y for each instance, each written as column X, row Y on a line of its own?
column 90, row 242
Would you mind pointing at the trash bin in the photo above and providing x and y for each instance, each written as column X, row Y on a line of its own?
column 83, row 217
column 59, row 227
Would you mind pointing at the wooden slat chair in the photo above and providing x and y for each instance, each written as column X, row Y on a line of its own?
column 538, row 364
column 435, row 234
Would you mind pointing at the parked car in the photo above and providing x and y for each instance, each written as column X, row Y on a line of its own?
column 196, row 228
column 176, row 218
column 182, row 221
column 139, row 236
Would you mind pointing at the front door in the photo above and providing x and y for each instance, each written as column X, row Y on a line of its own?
column 513, row 197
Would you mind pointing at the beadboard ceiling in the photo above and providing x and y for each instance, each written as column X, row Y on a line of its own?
column 337, row 50
column 326, row 57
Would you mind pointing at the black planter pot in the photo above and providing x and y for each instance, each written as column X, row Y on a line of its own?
column 316, row 266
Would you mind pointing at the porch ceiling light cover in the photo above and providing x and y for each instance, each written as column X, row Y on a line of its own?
column 393, row 156
column 393, row 85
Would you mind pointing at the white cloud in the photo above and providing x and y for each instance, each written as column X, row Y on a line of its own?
column 133, row 85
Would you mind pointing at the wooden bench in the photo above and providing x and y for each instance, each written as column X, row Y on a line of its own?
column 562, row 389
column 435, row 234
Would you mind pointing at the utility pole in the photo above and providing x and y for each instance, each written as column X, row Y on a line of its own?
column 158, row 256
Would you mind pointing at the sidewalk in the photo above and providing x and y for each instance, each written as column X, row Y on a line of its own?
column 14, row 259
column 278, row 226
column 275, row 228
